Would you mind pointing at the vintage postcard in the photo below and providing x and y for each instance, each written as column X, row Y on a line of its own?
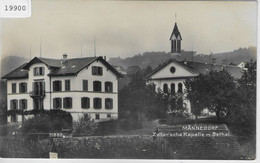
column 128, row 80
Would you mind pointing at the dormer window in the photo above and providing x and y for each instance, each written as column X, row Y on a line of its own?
column 96, row 70
column 38, row 71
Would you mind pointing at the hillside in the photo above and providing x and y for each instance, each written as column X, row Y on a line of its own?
column 155, row 58
column 11, row 62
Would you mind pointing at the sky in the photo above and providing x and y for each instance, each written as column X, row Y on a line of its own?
column 127, row 28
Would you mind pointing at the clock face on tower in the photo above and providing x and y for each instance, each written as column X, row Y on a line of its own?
column 172, row 69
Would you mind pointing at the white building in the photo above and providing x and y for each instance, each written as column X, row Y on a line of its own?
column 171, row 75
column 79, row 86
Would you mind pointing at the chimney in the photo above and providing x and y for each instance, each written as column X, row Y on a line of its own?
column 64, row 58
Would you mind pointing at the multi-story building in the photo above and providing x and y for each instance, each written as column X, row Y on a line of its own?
column 78, row 85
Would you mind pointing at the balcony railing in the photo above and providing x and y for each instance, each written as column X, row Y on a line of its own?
column 38, row 93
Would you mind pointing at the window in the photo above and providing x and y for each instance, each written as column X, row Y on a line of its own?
column 67, row 85
column 165, row 88
column 108, row 86
column 23, row 87
column 57, row 86
column 96, row 70
column 13, row 87
column 14, row 118
column 23, row 104
column 13, row 104
column 97, row 103
column 179, row 87
column 108, row 103
column 38, row 88
column 96, row 86
column 179, row 46
column 173, row 46
column 172, row 88
column 57, row 103
column 85, row 85
column 97, row 116
column 38, row 71
column 85, row 102
column 67, row 102
column 108, row 115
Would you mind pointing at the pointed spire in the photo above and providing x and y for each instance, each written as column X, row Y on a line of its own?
column 175, row 32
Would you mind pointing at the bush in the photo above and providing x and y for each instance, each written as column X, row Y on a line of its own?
column 84, row 126
column 47, row 121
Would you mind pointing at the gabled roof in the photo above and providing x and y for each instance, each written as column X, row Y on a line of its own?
column 170, row 61
column 75, row 65
column 59, row 68
column 201, row 68
column 47, row 61
column 175, row 32
column 18, row 73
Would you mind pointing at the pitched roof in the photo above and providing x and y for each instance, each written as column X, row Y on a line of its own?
column 68, row 67
column 235, row 72
column 72, row 66
column 170, row 61
column 175, row 32
column 18, row 73
column 203, row 68
column 47, row 61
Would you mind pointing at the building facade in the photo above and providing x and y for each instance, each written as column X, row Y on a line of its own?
column 169, row 77
column 79, row 85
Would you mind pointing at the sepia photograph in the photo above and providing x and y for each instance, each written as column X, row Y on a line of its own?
column 160, row 80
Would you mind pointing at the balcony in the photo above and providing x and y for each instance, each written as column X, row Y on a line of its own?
column 37, row 93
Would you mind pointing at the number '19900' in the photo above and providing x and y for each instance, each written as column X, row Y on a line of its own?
column 15, row 8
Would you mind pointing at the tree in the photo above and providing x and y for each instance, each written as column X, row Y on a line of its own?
column 139, row 99
column 45, row 121
column 244, row 112
column 84, row 126
column 215, row 90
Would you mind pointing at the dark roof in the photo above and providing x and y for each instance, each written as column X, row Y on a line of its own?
column 203, row 68
column 176, row 32
column 18, row 73
column 235, row 72
column 72, row 66
column 169, row 61
column 49, row 62
column 68, row 67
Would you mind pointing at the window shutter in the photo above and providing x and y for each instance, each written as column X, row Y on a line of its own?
column 20, row 104
column 100, row 70
column 88, row 103
column 43, row 70
column 64, row 103
column 70, row 102
column 25, row 104
column 25, row 87
column 60, row 85
column 54, row 103
column 93, row 70
column 82, row 102
column 34, row 71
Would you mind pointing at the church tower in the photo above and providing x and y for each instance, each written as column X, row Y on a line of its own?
column 175, row 40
